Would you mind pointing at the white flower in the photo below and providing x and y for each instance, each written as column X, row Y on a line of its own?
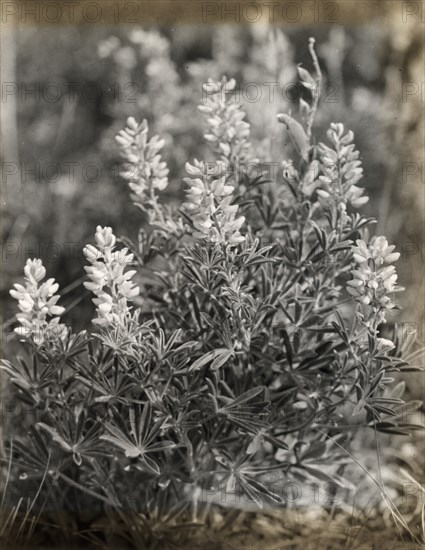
column 145, row 172
column 38, row 304
column 110, row 283
column 104, row 237
column 34, row 270
column 382, row 252
column 372, row 282
column 228, row 132
column 341, row 169
column 209, row 205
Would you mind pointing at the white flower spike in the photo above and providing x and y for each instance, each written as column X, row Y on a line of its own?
column 373, row 280
column 40, row 313
column 209, row 205
column 110, row 283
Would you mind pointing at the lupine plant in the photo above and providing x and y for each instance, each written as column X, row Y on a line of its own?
column 236, row 347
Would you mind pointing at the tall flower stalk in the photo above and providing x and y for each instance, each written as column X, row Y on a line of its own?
column 211, row 184
column 228, row 132
column 40, row 314
column 110, row 283
column 341, row 170
column 208, row 202
column 374, row 280
column 145, row 172
column 147, row 175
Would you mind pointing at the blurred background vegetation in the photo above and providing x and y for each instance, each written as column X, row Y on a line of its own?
column 72, row 88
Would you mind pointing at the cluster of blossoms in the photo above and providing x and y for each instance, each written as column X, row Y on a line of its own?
column 145, row 172
column 39, row 315
column 109, row 281
column 373, row 278
column 227, row 131
column 210, row 195
column 209, row 205
column 341, row 169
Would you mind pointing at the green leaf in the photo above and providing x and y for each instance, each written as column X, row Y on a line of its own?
column 391, row 428
column 359, row 407
column 208, row 357
column 248, row 395
column 56, row 436
column 150, row 463
column 129, row 448
column 288, row 347
column 221, row 359
column 311, row 321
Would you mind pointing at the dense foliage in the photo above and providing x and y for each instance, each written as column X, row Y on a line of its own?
column 232, row 344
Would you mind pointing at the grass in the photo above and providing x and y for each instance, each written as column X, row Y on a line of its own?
column 306, row 529
column 381, row 524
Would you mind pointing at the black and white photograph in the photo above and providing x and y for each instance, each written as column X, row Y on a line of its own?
column 212, row 275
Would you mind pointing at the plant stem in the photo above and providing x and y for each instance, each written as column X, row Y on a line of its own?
column 317, row 89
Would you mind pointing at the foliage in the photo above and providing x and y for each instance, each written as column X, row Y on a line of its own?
column 232, row 356
column 67, row 161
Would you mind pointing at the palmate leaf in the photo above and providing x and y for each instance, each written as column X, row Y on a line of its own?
column 75, row 433
column 248, row 411
column 138, row 439
column 256, row 256
column 32, row 455
column 117, row 438
column 243, row 474
column 30, row 379
column 111, row 384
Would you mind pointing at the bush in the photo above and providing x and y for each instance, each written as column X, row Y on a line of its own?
column 234, row 341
